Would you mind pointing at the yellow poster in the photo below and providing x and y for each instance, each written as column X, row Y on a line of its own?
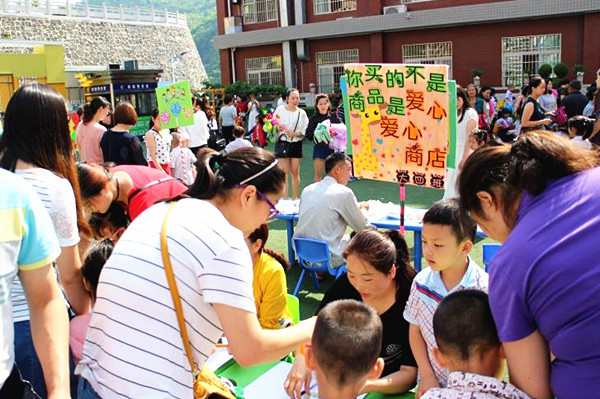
column 399, row 122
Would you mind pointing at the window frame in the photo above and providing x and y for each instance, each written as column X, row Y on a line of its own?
column 513, row 71
column 251, row 12
column 257, row 72
column 328, row 61
column 430, row 55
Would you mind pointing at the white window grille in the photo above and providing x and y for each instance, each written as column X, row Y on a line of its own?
column 439, row 53
column 328, row 6
column 525, row 54
column 330, row 66
column 259, row 11
column 264, row 70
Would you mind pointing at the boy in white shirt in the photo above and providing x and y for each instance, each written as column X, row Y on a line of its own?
column 182, row 161
column 239, row 141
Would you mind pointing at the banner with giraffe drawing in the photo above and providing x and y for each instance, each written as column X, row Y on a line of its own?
column 400, row 122
column 175, row 105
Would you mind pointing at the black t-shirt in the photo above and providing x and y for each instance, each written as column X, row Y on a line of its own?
column 122, row 148
column 574, row 104
column 395, row 347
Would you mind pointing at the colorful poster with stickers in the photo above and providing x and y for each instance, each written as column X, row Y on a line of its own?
column 400, row 122
column 175, row 105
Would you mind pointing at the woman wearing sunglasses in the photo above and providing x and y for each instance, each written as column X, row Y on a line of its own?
column 133, row 346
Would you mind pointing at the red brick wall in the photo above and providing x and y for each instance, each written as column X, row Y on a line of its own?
column 363, row 9
column 241, row 53
column 591, row 46
column 480, row 46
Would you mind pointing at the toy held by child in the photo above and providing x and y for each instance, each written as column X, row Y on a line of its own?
column 91, row 268
column 469, row 347
column 182, row 161
column 447, row 236
column 579, row 128
column 345, row 347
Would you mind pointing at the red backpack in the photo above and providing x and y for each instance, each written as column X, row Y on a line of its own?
column 560, row 116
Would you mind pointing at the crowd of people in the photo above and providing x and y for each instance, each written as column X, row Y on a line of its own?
column 95, row 242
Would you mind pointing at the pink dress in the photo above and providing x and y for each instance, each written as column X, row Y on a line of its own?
column 88, row 141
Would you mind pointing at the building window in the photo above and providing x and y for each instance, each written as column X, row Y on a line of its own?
column 328, row 6
column 259, row 11
column 264, row 70
column 439, row 53
column 525, row 54
column 330, row 66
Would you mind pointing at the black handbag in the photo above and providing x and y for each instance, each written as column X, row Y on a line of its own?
column 283, row 147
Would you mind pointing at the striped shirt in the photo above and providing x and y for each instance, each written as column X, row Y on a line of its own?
column 57, row 196
column 27, row 242
column 426, row 293
column 133, row 347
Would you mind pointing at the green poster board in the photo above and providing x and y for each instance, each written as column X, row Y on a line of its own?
column 175, row 105
column 451, row 162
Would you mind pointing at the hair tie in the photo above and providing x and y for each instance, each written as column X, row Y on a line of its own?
column 217, row 160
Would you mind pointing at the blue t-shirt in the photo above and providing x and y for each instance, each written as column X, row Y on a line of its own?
column 27, row 242
column 546, row 277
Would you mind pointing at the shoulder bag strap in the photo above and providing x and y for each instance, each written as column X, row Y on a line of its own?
column 173, row 289
column 147, row 185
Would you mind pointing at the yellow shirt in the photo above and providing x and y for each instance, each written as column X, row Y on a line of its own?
column 270, row 293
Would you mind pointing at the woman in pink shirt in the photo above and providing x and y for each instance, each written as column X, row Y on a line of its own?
column 89, row 132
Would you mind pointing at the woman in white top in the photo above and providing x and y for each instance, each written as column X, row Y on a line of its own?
column 89, row 132
column 253, row 111
column 133, row 346
column 36, row 145
column 548, row 100
column 158, row 145
column 291, row 125
column 467, row 122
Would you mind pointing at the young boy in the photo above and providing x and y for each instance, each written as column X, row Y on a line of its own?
column 346, row 343
column 469, row 347
column 240, row 141
column 448, row 237
column 182, row 161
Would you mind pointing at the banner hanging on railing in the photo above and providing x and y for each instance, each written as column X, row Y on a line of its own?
column 400, row 122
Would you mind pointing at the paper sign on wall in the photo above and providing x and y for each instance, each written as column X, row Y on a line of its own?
column 399, row 122
column 175, row 105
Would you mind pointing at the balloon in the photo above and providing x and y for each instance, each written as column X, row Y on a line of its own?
column 264, row 111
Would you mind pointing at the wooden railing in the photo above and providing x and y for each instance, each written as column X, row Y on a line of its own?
column 84, row 10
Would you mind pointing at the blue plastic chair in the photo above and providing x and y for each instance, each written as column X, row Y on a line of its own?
column 313, row 257
column 489, row 251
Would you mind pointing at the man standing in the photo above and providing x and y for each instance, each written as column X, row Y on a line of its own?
column 28, row 245
column 227, row 116
column 328, row 207
column 575, row 101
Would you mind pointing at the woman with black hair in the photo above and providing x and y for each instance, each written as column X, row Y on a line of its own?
column 36, row 145
column 89, row 131
column 380, row 275
column 533, row 115
column 539, row 197
column 134, row 345
column 467, row 122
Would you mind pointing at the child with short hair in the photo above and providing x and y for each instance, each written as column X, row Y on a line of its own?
column 345, row 348
column 239, row 142
column 504, row 126
column 110, row 224
column 447, row 236
column 91, row 268
column 182, row 161
column 579, row 128
column 469, row 347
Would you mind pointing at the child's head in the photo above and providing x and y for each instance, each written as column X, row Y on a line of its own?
column 346, row 343
column 110, row 224
column 478, row 138
column 175, row 140
column 505, row 113
column 447, row 235
column 580, row 126
column 466, row 335
column 239, row 132
column 94, row 262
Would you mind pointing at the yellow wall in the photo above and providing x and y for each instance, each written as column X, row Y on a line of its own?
column 28, row 65
column 54, row 61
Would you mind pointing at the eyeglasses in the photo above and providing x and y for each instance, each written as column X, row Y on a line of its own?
column 273, row 212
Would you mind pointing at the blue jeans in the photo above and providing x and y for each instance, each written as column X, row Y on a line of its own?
column 86, row 391
column 29, row 364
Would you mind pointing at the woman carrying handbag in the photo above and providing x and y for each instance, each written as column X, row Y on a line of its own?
column 134, row 345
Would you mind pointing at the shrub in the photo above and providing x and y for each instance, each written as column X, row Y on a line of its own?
column 579, row 67
column 545, row 71
column 561, row 70
column 477, row 72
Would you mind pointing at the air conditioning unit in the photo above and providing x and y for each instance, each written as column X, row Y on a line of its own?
column 394, row 9
column 233, row 25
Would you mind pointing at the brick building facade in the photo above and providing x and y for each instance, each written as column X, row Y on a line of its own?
column 299, row 42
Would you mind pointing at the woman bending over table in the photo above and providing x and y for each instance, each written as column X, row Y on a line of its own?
column 540, row 197
column 380, row 275
column 133, row 346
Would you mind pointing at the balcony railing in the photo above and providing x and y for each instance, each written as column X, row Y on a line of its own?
column 84, row 10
